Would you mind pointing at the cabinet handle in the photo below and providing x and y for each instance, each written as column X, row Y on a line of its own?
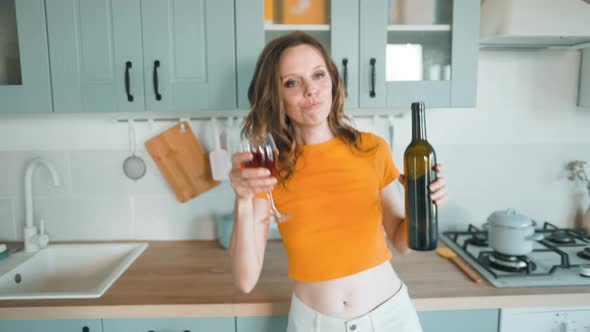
column 128, row 66
column 345, row 76
column 156, row 66
column 372, row 93
column 85, row 329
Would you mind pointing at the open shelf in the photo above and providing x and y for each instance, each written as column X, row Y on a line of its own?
column 293, row 27
column 405, row 27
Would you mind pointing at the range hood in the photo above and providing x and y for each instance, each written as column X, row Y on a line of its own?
column 535, row 24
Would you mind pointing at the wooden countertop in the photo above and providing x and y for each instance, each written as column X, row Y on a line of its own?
column 193, row 278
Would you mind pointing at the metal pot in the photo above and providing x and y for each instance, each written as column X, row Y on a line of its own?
column 511, row 233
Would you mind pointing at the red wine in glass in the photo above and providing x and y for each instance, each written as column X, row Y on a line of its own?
column 262, row 158
column 264, row 154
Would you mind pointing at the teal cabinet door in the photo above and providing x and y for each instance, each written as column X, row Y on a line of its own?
column 249, row 43
column 70, row 325
column 373, row 38
column 30, row 91
column 204, row 324
column 584, row 91
column 262, row 324
column 465, row 59
column 460, row 320
column 345, row 47
column 188, row 52
column 95, row 46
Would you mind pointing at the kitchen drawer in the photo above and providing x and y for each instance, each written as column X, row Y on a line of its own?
column 57, row 325
column 460, row 320
column 261, row 323
column 196, row 324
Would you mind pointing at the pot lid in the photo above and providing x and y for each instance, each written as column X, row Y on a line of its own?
column 509, row 218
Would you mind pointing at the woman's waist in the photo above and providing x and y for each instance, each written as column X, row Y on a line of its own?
column 350, row 296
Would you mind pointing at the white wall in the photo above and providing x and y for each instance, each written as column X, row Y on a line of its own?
column 508, row 152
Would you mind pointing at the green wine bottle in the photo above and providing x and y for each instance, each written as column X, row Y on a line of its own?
column 419, row 160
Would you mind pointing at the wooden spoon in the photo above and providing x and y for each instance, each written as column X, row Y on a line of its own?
column 452, row 256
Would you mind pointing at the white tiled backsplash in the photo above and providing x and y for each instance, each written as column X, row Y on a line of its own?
column 96, row 201
column 508, row 152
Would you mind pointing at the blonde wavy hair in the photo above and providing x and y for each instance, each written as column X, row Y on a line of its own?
column 268, row 114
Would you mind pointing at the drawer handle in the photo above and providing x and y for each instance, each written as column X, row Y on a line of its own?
column 156, row 88
column 128, row 66
column 372, row 93
column 345, row 76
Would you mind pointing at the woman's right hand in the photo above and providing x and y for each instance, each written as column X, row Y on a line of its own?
column 247, row 182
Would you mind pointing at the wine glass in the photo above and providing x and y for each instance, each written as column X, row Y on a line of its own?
column 265, row 154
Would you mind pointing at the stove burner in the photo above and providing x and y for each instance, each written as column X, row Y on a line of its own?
column 585, row 254
column 561, row 237
column 478, row 239
column 507, row 263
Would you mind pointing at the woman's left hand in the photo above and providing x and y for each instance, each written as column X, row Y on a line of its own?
column 438, row 188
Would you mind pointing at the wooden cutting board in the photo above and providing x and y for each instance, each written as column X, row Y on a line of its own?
column 182, row 160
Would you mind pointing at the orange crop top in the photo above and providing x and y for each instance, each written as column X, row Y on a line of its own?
column 333, row 198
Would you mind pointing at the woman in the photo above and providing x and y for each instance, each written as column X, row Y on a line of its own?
column 338, row 187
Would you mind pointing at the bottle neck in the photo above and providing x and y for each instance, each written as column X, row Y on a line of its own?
column 418, row 122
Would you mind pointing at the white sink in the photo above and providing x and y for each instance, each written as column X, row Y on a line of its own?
column 64, row 271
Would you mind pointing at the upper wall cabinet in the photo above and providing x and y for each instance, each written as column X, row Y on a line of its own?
column 389, row 53
column 584, row 89
column 24, row 63
column 136, row 55
column 420, row 50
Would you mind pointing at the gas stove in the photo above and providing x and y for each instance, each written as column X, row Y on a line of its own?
column 562, row 258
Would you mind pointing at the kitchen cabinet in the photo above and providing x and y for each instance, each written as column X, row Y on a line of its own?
column 261, row 323
column 485, row 320
column 200, row 324
column 24, row 62
column 446, row 47
column 391, row 60
column 136, row 55
column 584, row 92
column 59, row 325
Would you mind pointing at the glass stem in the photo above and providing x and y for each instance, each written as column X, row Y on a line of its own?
column 275, row 215
column 272, row 203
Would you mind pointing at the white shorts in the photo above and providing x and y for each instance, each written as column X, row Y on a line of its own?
column 396, row 314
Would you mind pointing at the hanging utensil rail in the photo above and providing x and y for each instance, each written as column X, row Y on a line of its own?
column 208, row 115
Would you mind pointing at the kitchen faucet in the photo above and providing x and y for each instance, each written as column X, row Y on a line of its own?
column 35, row 240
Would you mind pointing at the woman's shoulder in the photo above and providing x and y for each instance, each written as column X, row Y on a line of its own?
column 369, row 139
